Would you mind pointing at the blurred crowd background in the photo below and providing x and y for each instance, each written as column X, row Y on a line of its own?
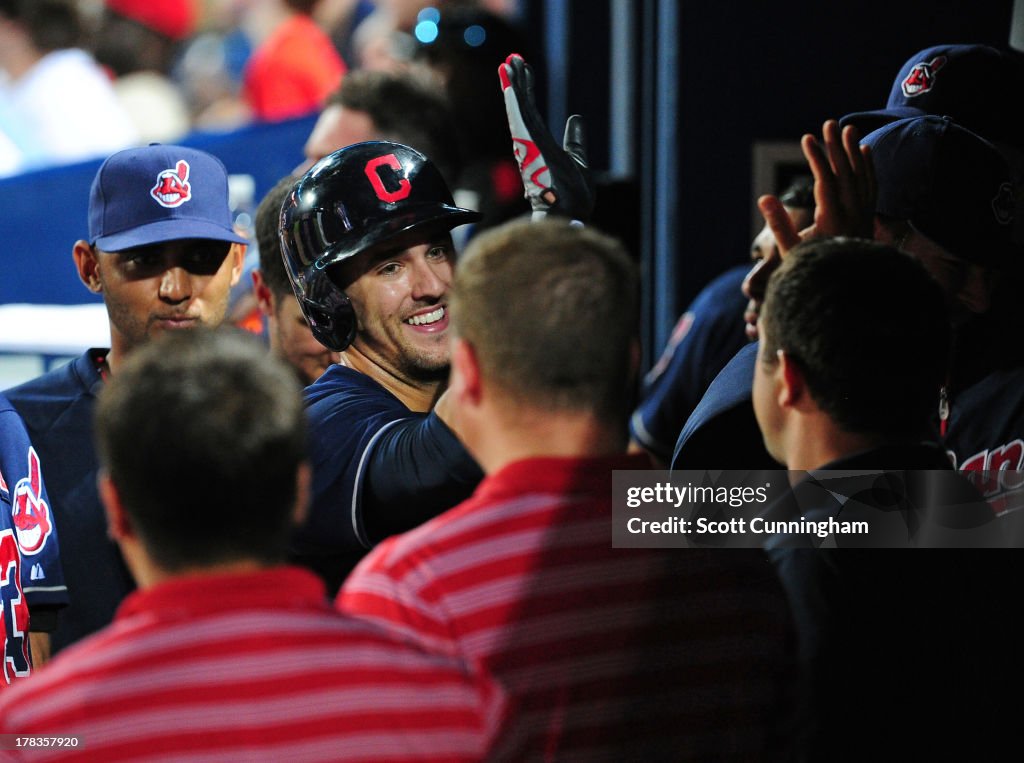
column 692, row 109
column 83, row 78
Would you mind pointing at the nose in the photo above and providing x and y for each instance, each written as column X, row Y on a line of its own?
column 430, row 279
column 175, row 285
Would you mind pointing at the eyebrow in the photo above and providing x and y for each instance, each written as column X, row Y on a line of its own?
column 444, row 240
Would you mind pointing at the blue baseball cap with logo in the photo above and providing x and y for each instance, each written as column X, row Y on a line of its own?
column 953, row 186
column 158, row 193
column 976, row 85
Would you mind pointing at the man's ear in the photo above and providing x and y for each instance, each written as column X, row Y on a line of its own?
column 792, row 385
column 119, row 526
column 465, row 377
column 264, row 296
column 88, row 266
column 238, row 252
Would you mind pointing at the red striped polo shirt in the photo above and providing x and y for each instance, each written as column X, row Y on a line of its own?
column 250, row 667
column 604, row 653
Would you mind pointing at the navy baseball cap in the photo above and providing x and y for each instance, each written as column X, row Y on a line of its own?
column 977, row 85
column 953, row 186
column 159, row 193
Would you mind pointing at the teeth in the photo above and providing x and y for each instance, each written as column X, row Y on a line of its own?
column 423, row 320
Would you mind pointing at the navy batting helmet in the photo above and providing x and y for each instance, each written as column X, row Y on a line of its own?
column 354, row 199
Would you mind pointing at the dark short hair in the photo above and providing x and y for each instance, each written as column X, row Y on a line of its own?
column 405, row 108
column 202, row 434
column 268, row 241
column 799, row 193
column 304, row 7
column 867, row 325
column 51, row 24
column 551, row 310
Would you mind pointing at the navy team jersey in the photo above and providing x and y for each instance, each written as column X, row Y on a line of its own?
column 985, row 437
column 985, row 433
column 722, row 432
column 57, row 409
column 30, row 570
column 706, row 336
column 378, row 469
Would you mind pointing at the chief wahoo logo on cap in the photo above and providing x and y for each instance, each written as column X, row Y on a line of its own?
column 922, row 77
column 172, row 188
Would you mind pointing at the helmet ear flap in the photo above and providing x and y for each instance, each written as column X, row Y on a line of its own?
column 333, row 326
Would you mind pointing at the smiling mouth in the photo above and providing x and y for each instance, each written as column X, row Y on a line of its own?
column 426, row 319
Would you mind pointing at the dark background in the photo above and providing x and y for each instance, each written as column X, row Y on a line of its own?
column 740, row 73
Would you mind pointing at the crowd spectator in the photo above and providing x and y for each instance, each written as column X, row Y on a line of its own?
column 56, row 104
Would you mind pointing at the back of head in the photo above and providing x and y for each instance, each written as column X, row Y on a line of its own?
column 867, row 326
column 305, row 7
column 202, row 434
column 142, row 35
column 551, row 310
column 268, row 222
column 406, row 107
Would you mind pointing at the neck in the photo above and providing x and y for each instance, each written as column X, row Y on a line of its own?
column 119, row 349
column 516, row 433
column 815, row 441
column 148, row 573
column 417, row 396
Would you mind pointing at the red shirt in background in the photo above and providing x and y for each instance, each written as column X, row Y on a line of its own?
column 293, row 71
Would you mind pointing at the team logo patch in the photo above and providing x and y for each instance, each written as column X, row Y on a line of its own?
column 172, row 188
column 30, row 514
column 1003, row 204
column 922, row 77
column 400, row 185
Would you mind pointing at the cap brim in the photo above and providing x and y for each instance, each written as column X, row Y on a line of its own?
column 443, row 217
column 167, row 230
column 869, row 121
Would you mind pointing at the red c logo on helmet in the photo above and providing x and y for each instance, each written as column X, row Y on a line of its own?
column 372, row 171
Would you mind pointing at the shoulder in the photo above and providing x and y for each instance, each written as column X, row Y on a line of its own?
column 416, row 560
column 46, row 399
column 732, row 386
column 344, row 392
column 724, row 292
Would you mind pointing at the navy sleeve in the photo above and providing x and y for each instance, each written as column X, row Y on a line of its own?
column 707, row 335
column 416, row 469
column 722, row 432
column 378, row 469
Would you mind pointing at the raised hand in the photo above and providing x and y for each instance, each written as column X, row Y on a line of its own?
column 556, row 179
column 844, row 190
